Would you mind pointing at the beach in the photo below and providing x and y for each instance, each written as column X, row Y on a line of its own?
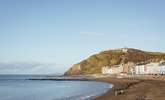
column 134, row 88
column 141, row 87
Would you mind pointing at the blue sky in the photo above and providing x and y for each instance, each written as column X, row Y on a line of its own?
column 66, row 31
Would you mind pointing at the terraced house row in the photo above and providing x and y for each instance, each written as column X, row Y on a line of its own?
column 136, row 69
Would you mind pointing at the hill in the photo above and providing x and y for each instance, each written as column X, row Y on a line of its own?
column 94, row 63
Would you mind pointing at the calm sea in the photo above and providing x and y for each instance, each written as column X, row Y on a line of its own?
column 16, row 87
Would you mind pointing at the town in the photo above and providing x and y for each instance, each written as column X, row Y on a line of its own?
column 153, row 68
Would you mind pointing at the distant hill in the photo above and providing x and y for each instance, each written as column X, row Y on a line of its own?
column 94, row 63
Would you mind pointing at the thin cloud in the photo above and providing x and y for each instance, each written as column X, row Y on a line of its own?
column 29, row 68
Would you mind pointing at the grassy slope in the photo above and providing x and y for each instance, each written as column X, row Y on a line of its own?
column 94, row 63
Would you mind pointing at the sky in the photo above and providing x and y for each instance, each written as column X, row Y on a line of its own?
column 60, row 33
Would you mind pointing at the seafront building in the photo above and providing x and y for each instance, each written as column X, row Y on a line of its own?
column 136, row 69
column 112, row 70
column 147, row 69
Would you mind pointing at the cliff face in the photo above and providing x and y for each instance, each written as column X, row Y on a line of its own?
column 94, row 63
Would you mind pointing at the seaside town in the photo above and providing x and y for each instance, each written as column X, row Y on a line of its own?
column 151, row 67
column 137, row 69
column 82, row 50
column 135, row 74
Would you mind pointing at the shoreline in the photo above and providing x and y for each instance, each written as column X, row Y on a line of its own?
column 144, row 87
column 77, row 78
column 134, row 88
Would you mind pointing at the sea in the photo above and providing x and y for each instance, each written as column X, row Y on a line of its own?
column 19, row 87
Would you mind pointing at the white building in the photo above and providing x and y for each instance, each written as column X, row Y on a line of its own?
column 125, row 50
column 145, row 69
column 151, row 68
column 112, row 70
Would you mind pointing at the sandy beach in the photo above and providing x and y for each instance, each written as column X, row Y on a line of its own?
column 135, row 88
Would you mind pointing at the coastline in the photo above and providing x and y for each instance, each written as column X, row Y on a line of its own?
column 134, row 88
column 129, row 88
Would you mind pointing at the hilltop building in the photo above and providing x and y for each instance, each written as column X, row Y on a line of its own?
column 125, row 49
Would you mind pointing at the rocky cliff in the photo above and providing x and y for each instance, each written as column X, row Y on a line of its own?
column 94, row 63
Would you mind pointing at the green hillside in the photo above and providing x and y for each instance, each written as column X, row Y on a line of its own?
column 94, row 63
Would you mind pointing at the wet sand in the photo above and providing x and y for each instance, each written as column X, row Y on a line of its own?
column 135, row 88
